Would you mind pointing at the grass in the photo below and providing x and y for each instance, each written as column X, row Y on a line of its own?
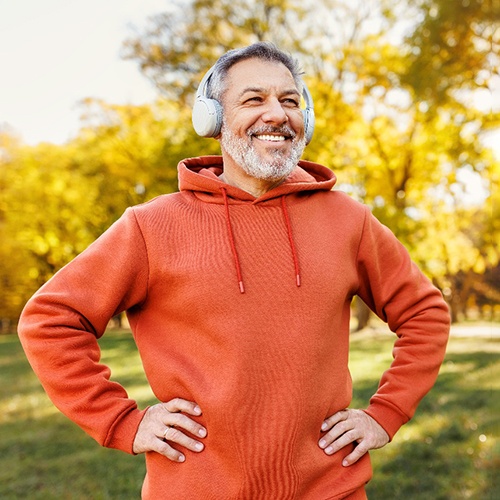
column 450, row 450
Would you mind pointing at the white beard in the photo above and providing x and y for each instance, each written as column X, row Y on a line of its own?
column 243, row 152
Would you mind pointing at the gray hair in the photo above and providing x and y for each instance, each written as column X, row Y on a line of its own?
column 261, row 50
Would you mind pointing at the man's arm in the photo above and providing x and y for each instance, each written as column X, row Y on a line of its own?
column 395, row 289
column 62, row 322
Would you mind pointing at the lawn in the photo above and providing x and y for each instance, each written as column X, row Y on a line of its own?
column 451, row 449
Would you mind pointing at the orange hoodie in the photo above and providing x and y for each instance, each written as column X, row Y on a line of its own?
column 241, row 305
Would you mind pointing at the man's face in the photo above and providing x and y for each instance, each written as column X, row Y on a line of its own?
column 263, row 126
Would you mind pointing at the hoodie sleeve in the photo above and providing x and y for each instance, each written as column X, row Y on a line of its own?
column 397, row 291
column 62, row 322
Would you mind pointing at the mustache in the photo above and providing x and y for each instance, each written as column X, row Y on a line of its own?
column 284, row 129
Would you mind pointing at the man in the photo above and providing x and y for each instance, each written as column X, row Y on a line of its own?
column 238, row 292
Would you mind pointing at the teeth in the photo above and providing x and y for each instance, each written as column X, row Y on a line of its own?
column 275, row 138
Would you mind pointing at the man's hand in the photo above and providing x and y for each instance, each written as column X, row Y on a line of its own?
column 352, row 426
column 162, row 426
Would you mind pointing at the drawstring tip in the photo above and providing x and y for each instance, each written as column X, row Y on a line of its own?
column 242, row 288
column 298, row 279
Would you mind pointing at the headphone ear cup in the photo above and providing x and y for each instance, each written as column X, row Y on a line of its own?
column 309, row 121
column 207, row 117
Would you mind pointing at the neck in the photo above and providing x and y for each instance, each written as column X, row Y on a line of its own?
column 255, row 187
column 235, row 176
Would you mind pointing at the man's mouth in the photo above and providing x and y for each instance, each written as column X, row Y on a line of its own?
column 272, row 138
column 272, row 134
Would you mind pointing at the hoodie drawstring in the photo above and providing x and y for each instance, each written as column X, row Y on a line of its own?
column 233, row 243
column 290, row 239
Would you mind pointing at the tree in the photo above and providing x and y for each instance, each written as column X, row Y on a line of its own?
column 56, row 200
column 396, row 118
column 42, row 202
column 456, row 46
column 181, row 43
column 395, row 86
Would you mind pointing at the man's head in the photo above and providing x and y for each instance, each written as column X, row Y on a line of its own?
column 261, row 50
column 259, row 88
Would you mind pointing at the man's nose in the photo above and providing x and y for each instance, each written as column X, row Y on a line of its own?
column 274, row 112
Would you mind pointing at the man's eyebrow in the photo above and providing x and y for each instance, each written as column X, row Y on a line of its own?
column 257, row 90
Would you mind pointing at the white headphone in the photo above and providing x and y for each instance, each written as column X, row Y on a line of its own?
column 207, row 113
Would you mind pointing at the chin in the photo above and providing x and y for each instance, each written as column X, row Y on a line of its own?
column 270, row 172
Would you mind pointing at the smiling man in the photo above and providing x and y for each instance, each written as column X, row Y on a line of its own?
column 262, row 137
column 238, row 292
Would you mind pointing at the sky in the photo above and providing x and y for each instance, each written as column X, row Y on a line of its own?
column 54, row 53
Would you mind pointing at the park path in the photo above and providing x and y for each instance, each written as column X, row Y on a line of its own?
column 486, row 330
column 480, row 330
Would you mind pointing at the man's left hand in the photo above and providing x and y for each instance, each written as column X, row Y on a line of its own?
column 352, row 426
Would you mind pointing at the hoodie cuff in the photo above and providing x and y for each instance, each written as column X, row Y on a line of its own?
column 388, row 416
column 122, row 433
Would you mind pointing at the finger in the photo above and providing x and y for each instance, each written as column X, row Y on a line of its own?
column 148, row 439
column 182, row 405
column 186, row 423
column 174, row 435
column 332, row 436
column 334, row 419
column 355, row 455
column 344, row 440
column 168, row 451
column 337, row 431
column 149, row 436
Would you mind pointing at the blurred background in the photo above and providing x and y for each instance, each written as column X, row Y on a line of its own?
column 95, row 113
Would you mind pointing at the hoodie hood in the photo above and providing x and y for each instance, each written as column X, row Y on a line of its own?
column 201, row 176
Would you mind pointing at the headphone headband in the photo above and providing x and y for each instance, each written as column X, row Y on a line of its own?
column 207, row 113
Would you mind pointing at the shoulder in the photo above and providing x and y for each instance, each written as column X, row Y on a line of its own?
column 160, row 202
column 158, row 207
column 345, row 205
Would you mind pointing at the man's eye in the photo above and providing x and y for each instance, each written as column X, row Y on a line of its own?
column 291, row 102
column 254, row 99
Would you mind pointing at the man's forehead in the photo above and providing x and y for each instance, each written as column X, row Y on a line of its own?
column 259, row 75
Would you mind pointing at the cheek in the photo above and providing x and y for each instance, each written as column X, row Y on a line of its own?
column 296, row 121
column 240, row 122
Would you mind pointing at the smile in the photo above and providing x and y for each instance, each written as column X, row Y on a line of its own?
column 272, row 138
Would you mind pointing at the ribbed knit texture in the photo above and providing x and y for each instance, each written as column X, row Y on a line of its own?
column 267, row 366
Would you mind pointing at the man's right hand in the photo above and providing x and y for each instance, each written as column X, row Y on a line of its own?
column 163, row 425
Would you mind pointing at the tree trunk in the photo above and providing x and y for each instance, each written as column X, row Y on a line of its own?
column 362, row 314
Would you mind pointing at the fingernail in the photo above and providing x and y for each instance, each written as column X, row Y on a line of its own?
column 181, row 458
column 324, row 426
column 197, row 410
column 202, row 433
column 198, row 446
column 345, row 463
column 322, row 443
column 329, row 450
